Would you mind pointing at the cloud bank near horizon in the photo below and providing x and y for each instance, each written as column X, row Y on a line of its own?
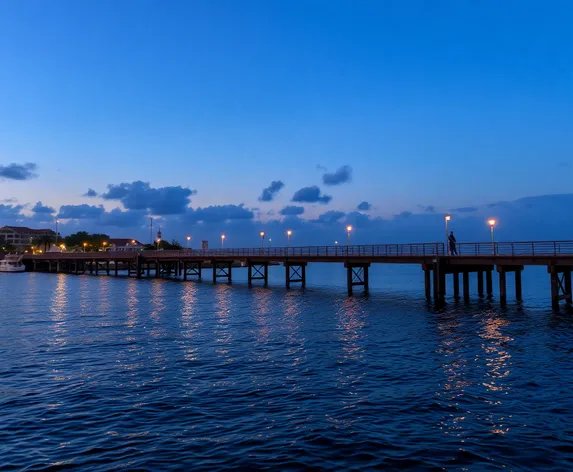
column 529, row 218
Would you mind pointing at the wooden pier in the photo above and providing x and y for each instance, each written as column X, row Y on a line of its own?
column 479, row 258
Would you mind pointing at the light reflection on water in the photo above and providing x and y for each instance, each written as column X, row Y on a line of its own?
column 157, row 374
column 189, row 322
column 223, row 332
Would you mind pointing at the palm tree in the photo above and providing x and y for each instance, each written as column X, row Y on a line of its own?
column 44, row 240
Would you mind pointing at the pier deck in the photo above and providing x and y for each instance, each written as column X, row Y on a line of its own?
column 479, row 258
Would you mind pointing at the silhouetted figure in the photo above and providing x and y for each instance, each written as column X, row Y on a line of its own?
column 452, row 240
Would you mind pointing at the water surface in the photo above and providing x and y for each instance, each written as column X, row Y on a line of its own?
column 106, row 373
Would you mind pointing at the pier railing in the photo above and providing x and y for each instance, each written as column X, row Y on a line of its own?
column 515, row 249
column 380, row 250
column 504, row 249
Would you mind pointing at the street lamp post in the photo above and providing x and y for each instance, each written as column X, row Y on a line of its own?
column 188, row 239
column 223, row 241
column 492, row 222
column 289, row 234
column 262, row 239
column 85, row 245
column 158, row 241
column 104, row 244
column 349, row 230
column 448, row 218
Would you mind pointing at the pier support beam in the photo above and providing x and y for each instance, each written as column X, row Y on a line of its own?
column 502, row 287
column 466, row 280
column 222, row 269
column 489, row 283
column 116, row 267
column 439, row 280
column 191, row 269
column 502, row 271
column 356, row 275
column 427, row 282
column 456, row 279
column 518, row 292
column 480, row 282
column 560, row 284
column 295, row 273
column 258, row 271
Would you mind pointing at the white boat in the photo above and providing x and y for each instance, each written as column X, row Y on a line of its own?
column 12, row 263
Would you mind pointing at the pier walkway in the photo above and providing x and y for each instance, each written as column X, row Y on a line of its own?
column 480, row 258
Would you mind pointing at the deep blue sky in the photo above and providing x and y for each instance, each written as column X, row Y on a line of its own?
column 444, row 103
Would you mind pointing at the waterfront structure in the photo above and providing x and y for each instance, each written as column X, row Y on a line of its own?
column 478, row 258
column 124, row 244
column 21, row 236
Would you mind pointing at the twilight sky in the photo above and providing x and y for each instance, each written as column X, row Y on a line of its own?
column 235, row 116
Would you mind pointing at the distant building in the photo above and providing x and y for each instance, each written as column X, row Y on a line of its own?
column 20, row 236
column 124, row 244
column 204, row 244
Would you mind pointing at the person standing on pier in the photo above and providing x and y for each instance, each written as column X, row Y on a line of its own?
column 452, row 240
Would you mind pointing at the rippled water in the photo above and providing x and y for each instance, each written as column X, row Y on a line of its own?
column 107, row 373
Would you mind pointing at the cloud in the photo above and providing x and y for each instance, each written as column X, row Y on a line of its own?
column 42, row 209
column 140, row 195
column 10, row 200
column 90, row 193
column 292, row 210
column 79, row 212
column 330, row 217
column 220, row 213
column 364, row 206
column 18, row 171
column 342, row 175
column 404, row 214
column 271, row 191
column 427, row 208
column 465, row 210
column 310, row 195
column 123, row 219
column 10, row 212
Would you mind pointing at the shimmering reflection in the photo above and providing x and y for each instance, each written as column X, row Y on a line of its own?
column 291, row 322
column 223, row 307
column 317, row 380
column 189, row 325
column 158, row 306
column 262, row 307
column 350, row 331
column 132, row 303
column 27, row 301
column 103, row 294
column 86, row 295
column 349, row 328
column 133, row 350
column 58, row 311
column 498, row 366
column 454, row 366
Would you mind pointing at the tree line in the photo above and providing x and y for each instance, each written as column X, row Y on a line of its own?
column 82, row 241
